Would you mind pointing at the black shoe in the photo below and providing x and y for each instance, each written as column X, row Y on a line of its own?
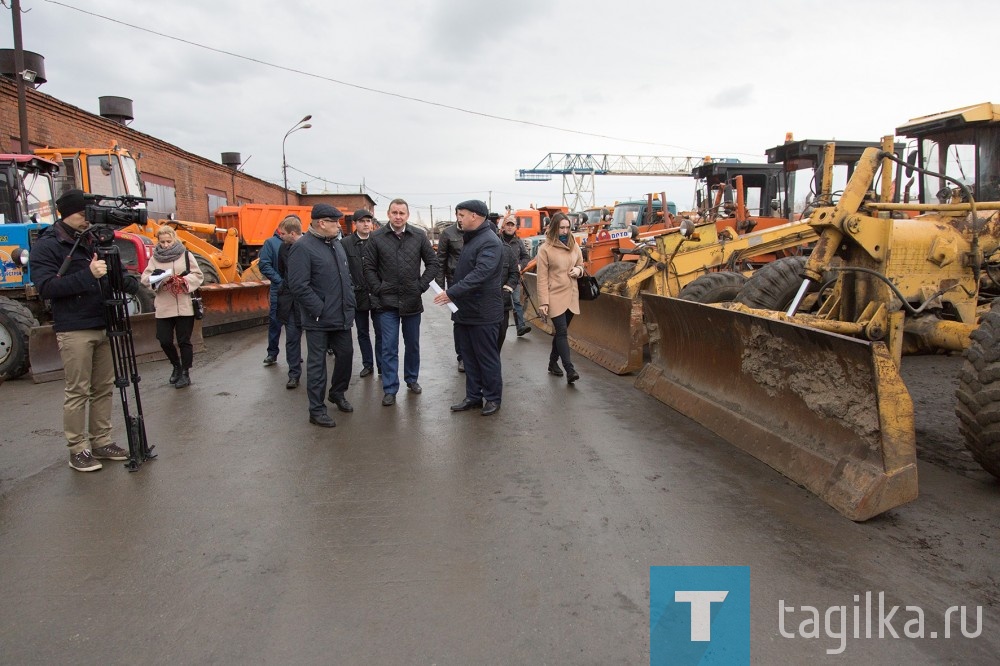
column 184, row 380
column 415, row 387
column 524, row 330
column 366, row 371
column 461, row 365
column 466, row 405
column 329, row 352
column 342, row 404
column 270, row 360
column 491, row 408
column 554, row 369
column 389, row 399
column 175, row 375
column 572, row 376
column 323, row 421
column 293, row 382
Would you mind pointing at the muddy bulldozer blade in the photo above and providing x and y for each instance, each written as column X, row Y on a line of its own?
column 608, row 331
column 828, row 411
column 235, row 306
column 47, row 365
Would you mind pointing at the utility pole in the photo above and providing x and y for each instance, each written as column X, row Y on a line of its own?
column 22, row 102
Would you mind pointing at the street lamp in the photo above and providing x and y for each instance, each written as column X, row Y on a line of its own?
column 302, row 124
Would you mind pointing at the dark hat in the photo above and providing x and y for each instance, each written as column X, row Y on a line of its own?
column 361, row 212
column 73, row 201
column 474, row 206
column 322, row 210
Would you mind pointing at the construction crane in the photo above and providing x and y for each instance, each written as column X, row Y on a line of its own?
column 578, row 171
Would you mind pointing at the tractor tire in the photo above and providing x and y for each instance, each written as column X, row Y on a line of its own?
column 615, row 273
column 978, row 393
column 718, row 287
column 142, row 302
column 208, row 270
column 16, row 322
column 773, row 286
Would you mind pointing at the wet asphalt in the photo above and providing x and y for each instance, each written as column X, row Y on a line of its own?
column 410, row 535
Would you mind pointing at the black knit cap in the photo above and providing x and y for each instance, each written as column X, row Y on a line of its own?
column 322, row 210
column 474, row 206
column 73, row 201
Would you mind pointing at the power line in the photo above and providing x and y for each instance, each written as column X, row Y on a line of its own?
column 365, row 88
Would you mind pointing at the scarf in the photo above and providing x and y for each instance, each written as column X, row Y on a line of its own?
column 564, row 239
column 168, row 255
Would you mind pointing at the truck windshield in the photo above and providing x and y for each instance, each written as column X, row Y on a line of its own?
column 38, row 188
column 626, row 215
column 954, row 157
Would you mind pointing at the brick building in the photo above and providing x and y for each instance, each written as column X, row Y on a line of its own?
column 187, row 185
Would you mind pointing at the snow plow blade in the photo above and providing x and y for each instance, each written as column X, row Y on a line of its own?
column 609, row 331
column 47, row 365
column 829, row 412
column 235, row 306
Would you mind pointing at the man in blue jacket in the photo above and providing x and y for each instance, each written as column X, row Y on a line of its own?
column 476, row 292
column 268, row 265
column 320, row 280
column 67, row 272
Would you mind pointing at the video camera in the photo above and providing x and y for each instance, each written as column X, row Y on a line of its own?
column 104, row 219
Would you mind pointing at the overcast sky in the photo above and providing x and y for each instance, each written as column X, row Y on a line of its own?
column 726, row 78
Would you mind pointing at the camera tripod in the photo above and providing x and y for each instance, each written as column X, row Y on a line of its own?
column 119, row 329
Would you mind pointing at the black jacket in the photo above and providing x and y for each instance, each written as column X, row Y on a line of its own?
column 354, row 246
column 287, row 312
column 320, row 281
column 77, row 302
column 449, row 247
column 478, row 278
column 517, row 246
column 392, row 269
column 510, row 273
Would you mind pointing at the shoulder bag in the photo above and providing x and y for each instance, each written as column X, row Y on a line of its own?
column 588, row 286
column 196, row 303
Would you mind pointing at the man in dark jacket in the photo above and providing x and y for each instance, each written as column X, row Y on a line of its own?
column 449, row 247
column 392, row 261
column 477, row 295
column 365, row 318
column 78, row 315
column 320, row 281
column 268, row 265
column 290, row 230
column 510, row 274
column 508, row 234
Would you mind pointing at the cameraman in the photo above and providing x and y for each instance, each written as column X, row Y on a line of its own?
column 80, row 327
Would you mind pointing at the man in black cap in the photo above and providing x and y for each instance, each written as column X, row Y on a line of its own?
column 320, row 280
column 476, row 293
column 365, row 318
column 392, row 261
column 78, row 315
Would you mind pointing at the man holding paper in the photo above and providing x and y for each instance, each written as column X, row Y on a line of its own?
column 475, row 291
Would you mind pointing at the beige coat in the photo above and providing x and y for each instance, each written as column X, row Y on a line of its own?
column 555, row 287
column 167, row 303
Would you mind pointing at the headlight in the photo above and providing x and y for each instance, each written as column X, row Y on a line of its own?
column 20, row 257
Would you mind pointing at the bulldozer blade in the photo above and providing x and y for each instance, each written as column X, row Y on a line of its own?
column 235, row 306
column 608, row 331
column 47, row 365
column 828, row 411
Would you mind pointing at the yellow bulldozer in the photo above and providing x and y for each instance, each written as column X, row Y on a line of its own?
column 815, row 391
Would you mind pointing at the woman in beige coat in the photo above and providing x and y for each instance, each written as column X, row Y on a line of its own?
column 173, row 273
column 559, row 264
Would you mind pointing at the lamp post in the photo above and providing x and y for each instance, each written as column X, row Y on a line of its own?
column 302, row 124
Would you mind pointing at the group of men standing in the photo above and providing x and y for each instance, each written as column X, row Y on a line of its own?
column 324, row 283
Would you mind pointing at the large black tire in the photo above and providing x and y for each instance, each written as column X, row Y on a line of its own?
column 211, row 275
column 978, row 393
column 718, row 287
column 142, row 302
column 774, row 285
column 16, row 322
column 614, row 273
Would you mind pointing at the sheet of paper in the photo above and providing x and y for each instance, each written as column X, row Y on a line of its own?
column 437, row 290
column 155, row 280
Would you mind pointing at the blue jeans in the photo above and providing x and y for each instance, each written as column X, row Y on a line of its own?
column 273, row 325
column 361, row 321
column 391, row 322
column 518, row 308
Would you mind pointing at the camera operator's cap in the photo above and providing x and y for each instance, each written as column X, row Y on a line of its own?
column 474, row 206
column 322, row 210
column 72, row 201
column 362, row 212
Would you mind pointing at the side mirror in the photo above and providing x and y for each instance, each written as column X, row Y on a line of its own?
column 911, row 160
